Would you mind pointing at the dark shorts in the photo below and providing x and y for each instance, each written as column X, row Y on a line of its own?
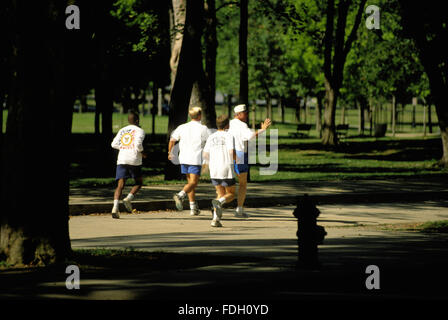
column 125, row 171
column 223, row 182
column 186, row 168
column 242, row 167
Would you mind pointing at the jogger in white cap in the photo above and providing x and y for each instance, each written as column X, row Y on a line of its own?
column 242, row 133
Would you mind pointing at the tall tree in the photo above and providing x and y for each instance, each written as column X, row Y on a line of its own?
column 427, row 24
column 37, row 134
column 243, row 96
column 336, row 49
column 188, row 70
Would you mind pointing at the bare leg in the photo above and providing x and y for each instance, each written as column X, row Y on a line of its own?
column 137, row 186
column 119, row 189
column 230, row 193
column 190, row 187
column 242, row 180
column 220, row 191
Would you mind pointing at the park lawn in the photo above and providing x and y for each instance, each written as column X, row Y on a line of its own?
column 305, row 159
column 298, row 158
column 358, row 158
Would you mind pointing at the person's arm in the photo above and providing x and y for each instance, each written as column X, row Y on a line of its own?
column 206, row 152
column 139, row 141
column 230, row 141
column 116, row 142
column 264, row 125
column 175, row 136
column 170, row 148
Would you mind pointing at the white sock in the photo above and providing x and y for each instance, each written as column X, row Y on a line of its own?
column 181, row 194
column 116, row 203
column 239, row 209
column 130, row 197
column 193, row 205
column 215, row 216
column 222, row 200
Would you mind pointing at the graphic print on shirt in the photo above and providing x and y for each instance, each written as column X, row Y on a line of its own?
column 127, row 139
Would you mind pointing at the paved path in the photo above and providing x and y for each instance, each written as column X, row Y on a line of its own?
column 253, row 260
column 158, row 197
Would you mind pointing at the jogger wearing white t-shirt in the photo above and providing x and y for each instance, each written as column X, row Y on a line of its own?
column 219, row 150
column 129, row 140
column 192, row 137
column 239, row 129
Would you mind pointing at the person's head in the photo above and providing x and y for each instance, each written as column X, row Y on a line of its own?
column 240, row 112
column 222, row 122
column 133, row 118
column 195, row 113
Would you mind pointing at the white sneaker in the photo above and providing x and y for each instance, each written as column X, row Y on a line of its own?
column 241, row 214
column 115, row 213
column 195, row 212
column 127, row 203
column 216, row 223
column 218, row 208
column 178, row 200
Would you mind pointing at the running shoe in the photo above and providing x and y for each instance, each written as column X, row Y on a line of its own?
column 127, row 203
column 216, row 223
column 178, row 200
column 195, row 212
column 241, row 214
column 115, row 213
column 218, row 207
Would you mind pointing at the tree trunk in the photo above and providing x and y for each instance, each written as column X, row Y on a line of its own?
column 299, row 102
column 244, row 73
column 281, row 110
column 211, row 46
column 268, row 106
column 329, row 136
column 83, row 103
column 305, row 109
column 319, row 115
column 422, row 22
column 336, row 49
column 362, row 104
column 181, row 89
column 201, row 95
column 32, row 151
column 429, row 119
column 424, row 120
column 97, row 119
column 229, row 105
column 394, row 115
column 414, row 105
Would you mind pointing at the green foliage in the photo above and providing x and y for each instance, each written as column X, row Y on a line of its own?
column 227, row 61
column 142, row 21
column 383, row 62
column 440, row 226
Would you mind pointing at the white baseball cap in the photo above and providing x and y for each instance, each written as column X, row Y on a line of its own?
column 240, row 108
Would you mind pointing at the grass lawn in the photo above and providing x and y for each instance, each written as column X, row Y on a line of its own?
column 298, row 158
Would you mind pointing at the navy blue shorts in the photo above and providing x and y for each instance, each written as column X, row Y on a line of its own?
column 125, row 171
column 223, row 182
column 186, row 168
column 242, row 167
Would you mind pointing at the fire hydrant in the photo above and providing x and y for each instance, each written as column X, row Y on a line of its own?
column 309, row 234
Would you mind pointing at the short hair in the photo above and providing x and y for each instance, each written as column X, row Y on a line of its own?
column 133, row 117
column 195, row 112
column 222, row 121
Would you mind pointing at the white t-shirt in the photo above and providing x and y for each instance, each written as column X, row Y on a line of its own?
column 242, row 133
column 129, row 140
column 192, row 137
column 220, row 146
